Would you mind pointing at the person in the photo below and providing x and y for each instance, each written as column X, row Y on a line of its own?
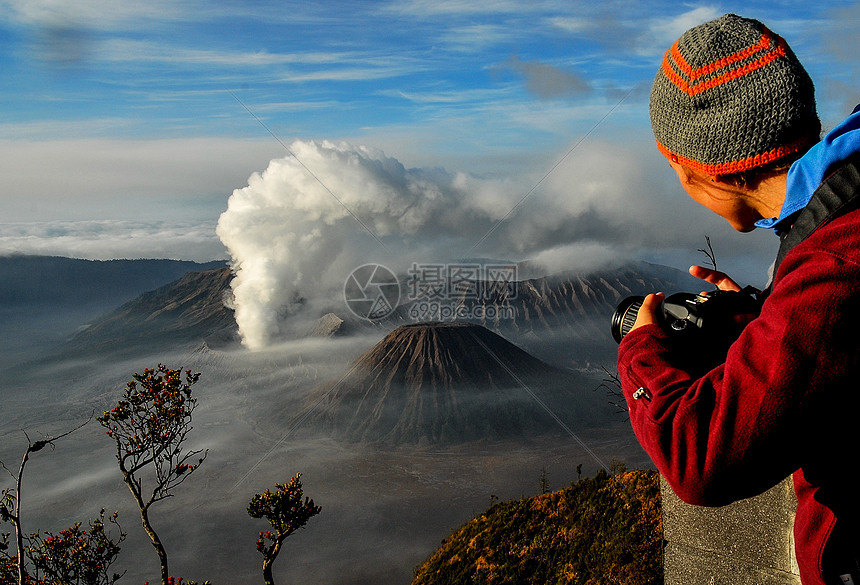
column 733, row 111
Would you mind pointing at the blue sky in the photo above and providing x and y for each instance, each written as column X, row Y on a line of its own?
column 125, row 126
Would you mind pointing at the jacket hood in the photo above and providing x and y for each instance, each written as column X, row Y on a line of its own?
column 807, row 173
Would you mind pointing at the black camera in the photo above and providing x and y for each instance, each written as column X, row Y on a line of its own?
column 711, row 315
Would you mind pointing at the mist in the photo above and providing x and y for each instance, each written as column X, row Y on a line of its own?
column 385, row 509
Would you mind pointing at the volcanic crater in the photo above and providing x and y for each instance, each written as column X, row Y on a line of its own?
column 449, row 383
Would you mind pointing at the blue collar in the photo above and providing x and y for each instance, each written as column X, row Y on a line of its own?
column 808, row 172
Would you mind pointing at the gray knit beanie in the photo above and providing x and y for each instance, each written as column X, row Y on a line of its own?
column 731, row 96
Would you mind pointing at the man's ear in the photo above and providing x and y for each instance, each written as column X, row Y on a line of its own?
column 687, row 174
column 694, row 176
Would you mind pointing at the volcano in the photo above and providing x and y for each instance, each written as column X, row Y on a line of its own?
column 448, row 383
column 187, row 310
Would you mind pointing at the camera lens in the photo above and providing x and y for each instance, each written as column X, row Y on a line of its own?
column 625, row 316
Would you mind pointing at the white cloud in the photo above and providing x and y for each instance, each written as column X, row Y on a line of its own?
column 448, row 97
column 136, row 51
column 347, row 74
column 427, row 8
column 110, row 239
column 582, row 255
column 92, row 14
column 624, row 27
column 665, row 31
column 477, row 36
column 571, row 24
column 123, row 179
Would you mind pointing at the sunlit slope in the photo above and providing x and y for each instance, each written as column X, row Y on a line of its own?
column 607, row 529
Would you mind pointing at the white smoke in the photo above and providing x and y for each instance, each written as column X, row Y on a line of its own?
column 299, row 228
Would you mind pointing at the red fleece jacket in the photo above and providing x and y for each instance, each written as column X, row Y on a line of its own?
column 785, row 401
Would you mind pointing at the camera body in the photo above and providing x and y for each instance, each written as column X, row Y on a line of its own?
column 710, row 315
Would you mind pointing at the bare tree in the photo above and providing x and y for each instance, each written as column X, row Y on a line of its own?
column 709, row 253
column 612, row 384
column 10, row 500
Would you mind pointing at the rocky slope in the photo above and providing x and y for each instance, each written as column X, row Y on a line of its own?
column 191, row 309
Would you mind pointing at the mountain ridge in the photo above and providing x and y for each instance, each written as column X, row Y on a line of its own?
column 191, row 309
column 44, row 300
column 562, row 319
column 29, row 279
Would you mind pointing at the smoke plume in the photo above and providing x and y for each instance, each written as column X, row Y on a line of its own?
column 299, row 228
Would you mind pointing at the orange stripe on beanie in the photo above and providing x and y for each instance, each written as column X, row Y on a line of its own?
column 688, row 83
column 685, row 67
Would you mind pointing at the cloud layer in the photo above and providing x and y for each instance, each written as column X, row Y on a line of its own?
column 107, row 240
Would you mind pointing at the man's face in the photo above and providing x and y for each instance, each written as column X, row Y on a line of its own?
column 723, row 199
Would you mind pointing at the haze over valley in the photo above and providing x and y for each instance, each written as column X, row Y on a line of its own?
column 403, row 431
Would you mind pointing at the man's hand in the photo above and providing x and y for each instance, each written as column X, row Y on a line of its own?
column 718, row 279
column 722, row 282
column 648, row 311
